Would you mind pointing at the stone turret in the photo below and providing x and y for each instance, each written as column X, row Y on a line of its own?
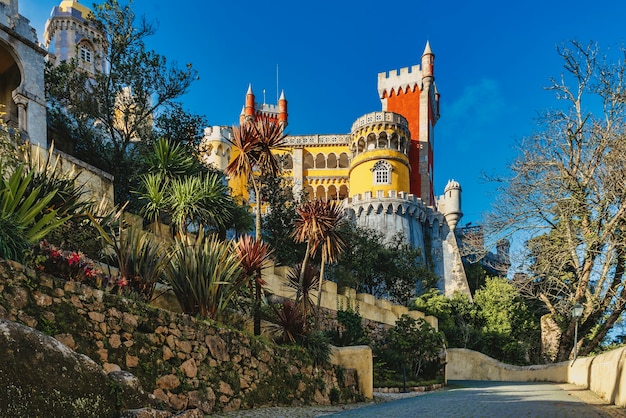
column 215, row 147
column 282, row 110
column 450, row 204
column 275, row 112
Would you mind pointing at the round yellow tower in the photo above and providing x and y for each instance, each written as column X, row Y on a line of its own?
column 379, row 143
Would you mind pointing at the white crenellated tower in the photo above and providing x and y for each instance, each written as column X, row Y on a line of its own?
column 69, row 34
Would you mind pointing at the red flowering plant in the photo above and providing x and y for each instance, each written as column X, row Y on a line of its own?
column 73, row 265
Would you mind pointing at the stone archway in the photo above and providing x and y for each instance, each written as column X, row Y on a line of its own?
column 10, row 79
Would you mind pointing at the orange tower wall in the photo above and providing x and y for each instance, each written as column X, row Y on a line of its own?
column 407, row 104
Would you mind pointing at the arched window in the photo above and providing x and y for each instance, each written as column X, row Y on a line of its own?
column 395, row 142
column 307, row 160
column 320, row 161
column 86, row 54
column 343, row 192
column 371, row 142
column 332, row 192
column 361, row 145
column 382, row 140
column 320, row 193
column 382, row 172
column 344, row 162
column 332, row 161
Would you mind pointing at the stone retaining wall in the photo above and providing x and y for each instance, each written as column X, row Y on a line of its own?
column 604, row 374
column 184, row 362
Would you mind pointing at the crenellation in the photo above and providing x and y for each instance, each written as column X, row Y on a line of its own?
column 396, row 80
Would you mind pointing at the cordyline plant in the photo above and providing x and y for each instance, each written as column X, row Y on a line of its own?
column 254, row 144
column 304, row 286
column 254, row 256
column 318, row 226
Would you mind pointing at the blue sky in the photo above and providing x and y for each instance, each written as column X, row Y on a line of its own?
column 493, row 60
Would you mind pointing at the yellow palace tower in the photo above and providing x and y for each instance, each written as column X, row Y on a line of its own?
column 382, row 170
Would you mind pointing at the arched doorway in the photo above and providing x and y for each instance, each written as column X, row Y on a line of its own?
column 10, row 79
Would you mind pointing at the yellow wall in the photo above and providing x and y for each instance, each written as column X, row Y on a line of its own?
column 361, row 175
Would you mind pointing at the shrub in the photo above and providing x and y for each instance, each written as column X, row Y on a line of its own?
column 351, row 330
column 25, row 213
column 414, row 343
column 204, row 273
column 317, row 346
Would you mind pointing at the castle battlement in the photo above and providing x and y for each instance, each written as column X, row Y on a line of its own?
column 377, row 117
column 395, row 80
column 393, row 202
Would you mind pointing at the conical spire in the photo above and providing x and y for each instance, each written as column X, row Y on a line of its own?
column 427, row 50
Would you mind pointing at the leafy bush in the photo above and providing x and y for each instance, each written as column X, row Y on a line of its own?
column 205, row 274
column 351, row 330
column 27, row 214
column 317, row 346
column 413, row 343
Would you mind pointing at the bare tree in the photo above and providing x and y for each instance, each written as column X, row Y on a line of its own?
column 567, row 187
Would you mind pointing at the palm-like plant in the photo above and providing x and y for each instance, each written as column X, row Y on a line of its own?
column 205, row 274
column 254, row 257
column 318, row 226
column 171, row 159
column 176, row 187
column 254, row 145
column 303, row 284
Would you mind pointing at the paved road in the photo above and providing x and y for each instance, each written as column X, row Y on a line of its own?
column 488, row 399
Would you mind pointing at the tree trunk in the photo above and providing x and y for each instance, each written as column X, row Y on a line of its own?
column 319, row 294
column 257, row 306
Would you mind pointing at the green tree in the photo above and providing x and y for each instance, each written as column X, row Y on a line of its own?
column 109, row 114
column 279, row 221
column 371, row 265
column 415, row 343
column 459, row 319
column 566, row 190
column 511, row 331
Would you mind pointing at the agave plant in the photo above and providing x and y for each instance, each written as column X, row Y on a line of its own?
column 204, row 273
column 254, row 257
column 24, row 213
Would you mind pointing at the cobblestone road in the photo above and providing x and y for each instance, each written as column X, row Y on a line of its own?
column 493, row 399
column 460, row 399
